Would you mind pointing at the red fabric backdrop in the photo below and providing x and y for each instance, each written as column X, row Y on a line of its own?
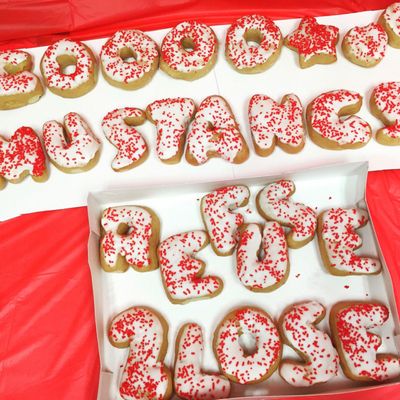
column 48, row 343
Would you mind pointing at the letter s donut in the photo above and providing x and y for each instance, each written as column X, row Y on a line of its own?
column 64, row 53
column 18, row 85
column 320, row 358
column 234, row 361
column 189, row 51
column 145, row 332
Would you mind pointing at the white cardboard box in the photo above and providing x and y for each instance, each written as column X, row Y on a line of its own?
column 178, row 210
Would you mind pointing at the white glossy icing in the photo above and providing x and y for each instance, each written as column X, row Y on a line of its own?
column 233, row 360
column 218, row 216
column 359, row 346
column 214, row 129
column 21, row 82
column 125, row 137
column 311, row 39
column 52, row 73
column 179, row 59
column 145, row 376
column 262, row 272
column 22, row 152
column 172, row 117
column 76, row 151
column 321, row 359
column 134, row 246
column 392, row 17
column 182, row 272
column 145, row 54
column 238, row 49
column 274, row 201
column 341, row 240
column 325, row 120
column 367, row 43
column 386, row 97
column 191, row 383
column 269, row 119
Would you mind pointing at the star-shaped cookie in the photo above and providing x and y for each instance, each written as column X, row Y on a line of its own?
column 315, row 43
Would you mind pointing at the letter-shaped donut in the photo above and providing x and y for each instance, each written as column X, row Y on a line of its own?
column 357, row 347
column 274, row 204
column 145, row 332
column 253, row 59
column 119, row 128
column 338, row 240
column 326, row 127
column 220, row 220
column 66, row 53
column 234, row 361
column 171, row 117
column 189, row 51
column 20, row 156
column 130, row 236
column 190, row 382
column 182, row 273
column 215, row 133
column 266, row 273
column 129, row 59
column 272, row 123
column 18, row 85
column 390, row 20
column 385, row 105
column 72, row 148
column 320, row 359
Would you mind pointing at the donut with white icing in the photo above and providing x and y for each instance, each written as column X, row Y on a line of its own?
column 248, row 58
column 219, row 219
column 274, row 204
column 350, row 323
column 315, row 43
column 189, row 51
column 274, row 124
column 71, row 147
column 171, row 117
column 129, row 59
column 243, row 365
column 215, row 133
column 320, row 360
column 129, row 238
column 21, row 155
column 119, row 127
column 365, row 45
column 385, row 105
column 182, row 273
column 262, row 259
column 190, row 382
column 327, row 127
column 145, row 332
column 18, row 85
column 58, row 57
column 338, row 240
column 390, row 20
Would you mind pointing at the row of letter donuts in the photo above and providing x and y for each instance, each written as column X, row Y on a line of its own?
column 213, row 132
column 130, row 58
column 130, row 239
column 146, row 376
